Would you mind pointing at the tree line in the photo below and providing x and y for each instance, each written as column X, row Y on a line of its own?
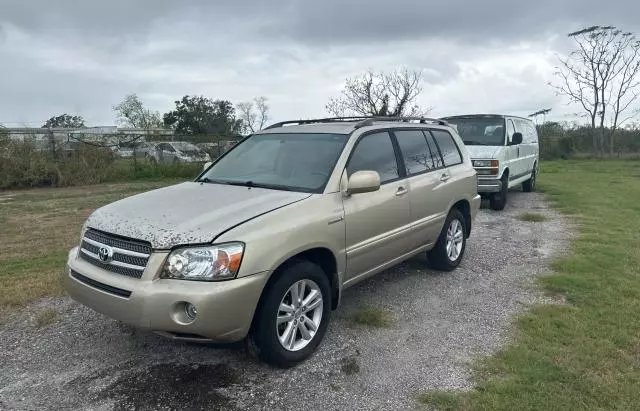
column 192, row 115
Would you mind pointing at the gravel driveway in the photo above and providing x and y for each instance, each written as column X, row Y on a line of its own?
column 441, row 322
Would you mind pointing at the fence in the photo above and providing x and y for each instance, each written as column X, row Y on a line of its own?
column 44, row 158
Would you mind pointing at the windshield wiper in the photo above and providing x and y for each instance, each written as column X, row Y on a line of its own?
column 250, row 184
column 210, row 181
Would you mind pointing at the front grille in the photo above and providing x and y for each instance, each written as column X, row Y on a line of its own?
column 114, row 241
column 124, row 256
column 100, row 286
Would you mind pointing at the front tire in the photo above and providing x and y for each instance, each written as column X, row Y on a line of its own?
column 293, row 316
column 449, row 249
column 498, row 201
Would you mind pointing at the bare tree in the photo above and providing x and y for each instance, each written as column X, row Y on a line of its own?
column 601, row 75
column 379, row 94
column 254, row 114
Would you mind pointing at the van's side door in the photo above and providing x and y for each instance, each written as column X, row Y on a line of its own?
column 529, row 146
column 512, row 153
column 376, row 223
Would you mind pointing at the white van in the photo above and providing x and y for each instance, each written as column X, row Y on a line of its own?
column 504, row 150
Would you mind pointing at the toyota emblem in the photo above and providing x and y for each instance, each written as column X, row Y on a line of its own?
column 105, row 254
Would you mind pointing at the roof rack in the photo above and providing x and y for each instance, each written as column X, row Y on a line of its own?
column 363, row 121
column 423, row 120
column 316, row 120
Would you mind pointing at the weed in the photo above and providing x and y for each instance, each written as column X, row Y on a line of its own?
column 46, row 317
column 372, row 317
column 532, row 217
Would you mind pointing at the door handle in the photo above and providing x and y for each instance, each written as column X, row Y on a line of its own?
column 401, row 191
column 445, row 177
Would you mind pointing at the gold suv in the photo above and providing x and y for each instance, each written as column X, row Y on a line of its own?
column 263, row 242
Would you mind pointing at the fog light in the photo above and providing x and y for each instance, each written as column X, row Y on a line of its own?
column 191, row 311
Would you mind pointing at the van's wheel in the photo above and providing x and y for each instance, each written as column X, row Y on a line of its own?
column 529, row 186
column 292, row 318
column 499, row 200
column 449, row 249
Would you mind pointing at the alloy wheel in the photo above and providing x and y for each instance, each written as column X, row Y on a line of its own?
column 299, row 315
column 455, row 237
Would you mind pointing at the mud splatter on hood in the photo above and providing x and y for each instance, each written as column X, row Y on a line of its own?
column 187, row 213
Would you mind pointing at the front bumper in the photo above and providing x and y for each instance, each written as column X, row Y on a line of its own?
column 224, row 309
column 489, row 184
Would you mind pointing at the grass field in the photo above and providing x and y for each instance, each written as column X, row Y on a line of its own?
column 39, row 226
column 584, row 355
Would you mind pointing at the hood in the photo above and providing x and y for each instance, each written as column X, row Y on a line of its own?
column 187, row 213
column 483, row 152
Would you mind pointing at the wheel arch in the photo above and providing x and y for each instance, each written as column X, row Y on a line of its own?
column 505, row 172
column 321, row 256
column 465, row 208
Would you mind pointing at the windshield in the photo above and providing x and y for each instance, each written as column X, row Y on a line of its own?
column 288, row 161
column 479, row 131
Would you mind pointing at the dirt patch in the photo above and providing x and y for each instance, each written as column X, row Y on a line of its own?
column 171, row 386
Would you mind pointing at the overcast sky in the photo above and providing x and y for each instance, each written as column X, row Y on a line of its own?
column 82, row 57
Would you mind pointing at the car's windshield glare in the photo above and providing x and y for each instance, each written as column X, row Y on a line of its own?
column 294, row 161
column 480, row 131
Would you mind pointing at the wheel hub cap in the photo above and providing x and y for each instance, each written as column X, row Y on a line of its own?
column 455, row 238
column 299, row 315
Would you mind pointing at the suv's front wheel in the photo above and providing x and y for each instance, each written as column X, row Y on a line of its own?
column 293, row 316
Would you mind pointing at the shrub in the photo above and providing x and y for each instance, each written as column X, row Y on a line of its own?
column 22, row 164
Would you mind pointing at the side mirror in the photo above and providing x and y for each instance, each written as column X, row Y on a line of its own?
column 206, row 165
column 516, row 138
column 363, row 182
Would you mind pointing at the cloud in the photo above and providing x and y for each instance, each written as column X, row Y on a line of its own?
column 84, row 56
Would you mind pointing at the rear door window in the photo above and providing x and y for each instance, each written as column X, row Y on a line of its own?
column 448, row 148
column 415, row 151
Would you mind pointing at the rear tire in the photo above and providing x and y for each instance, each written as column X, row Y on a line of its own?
column 447, row 254
column 264, row 340
column 529, row 186
column 498, row 201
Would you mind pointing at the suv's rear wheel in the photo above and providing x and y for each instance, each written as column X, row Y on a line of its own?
column 530, row 185
column 449, row 249
column 499, row 200
column 293, row 316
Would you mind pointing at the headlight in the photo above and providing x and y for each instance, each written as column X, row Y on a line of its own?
column 213, row 263
column 485, row 163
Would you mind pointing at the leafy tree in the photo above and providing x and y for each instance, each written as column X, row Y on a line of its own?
column 200, row 115
column 254, row 114
column 64, row 121
column 601, row 76
column 132, row 112
column 379, row 94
